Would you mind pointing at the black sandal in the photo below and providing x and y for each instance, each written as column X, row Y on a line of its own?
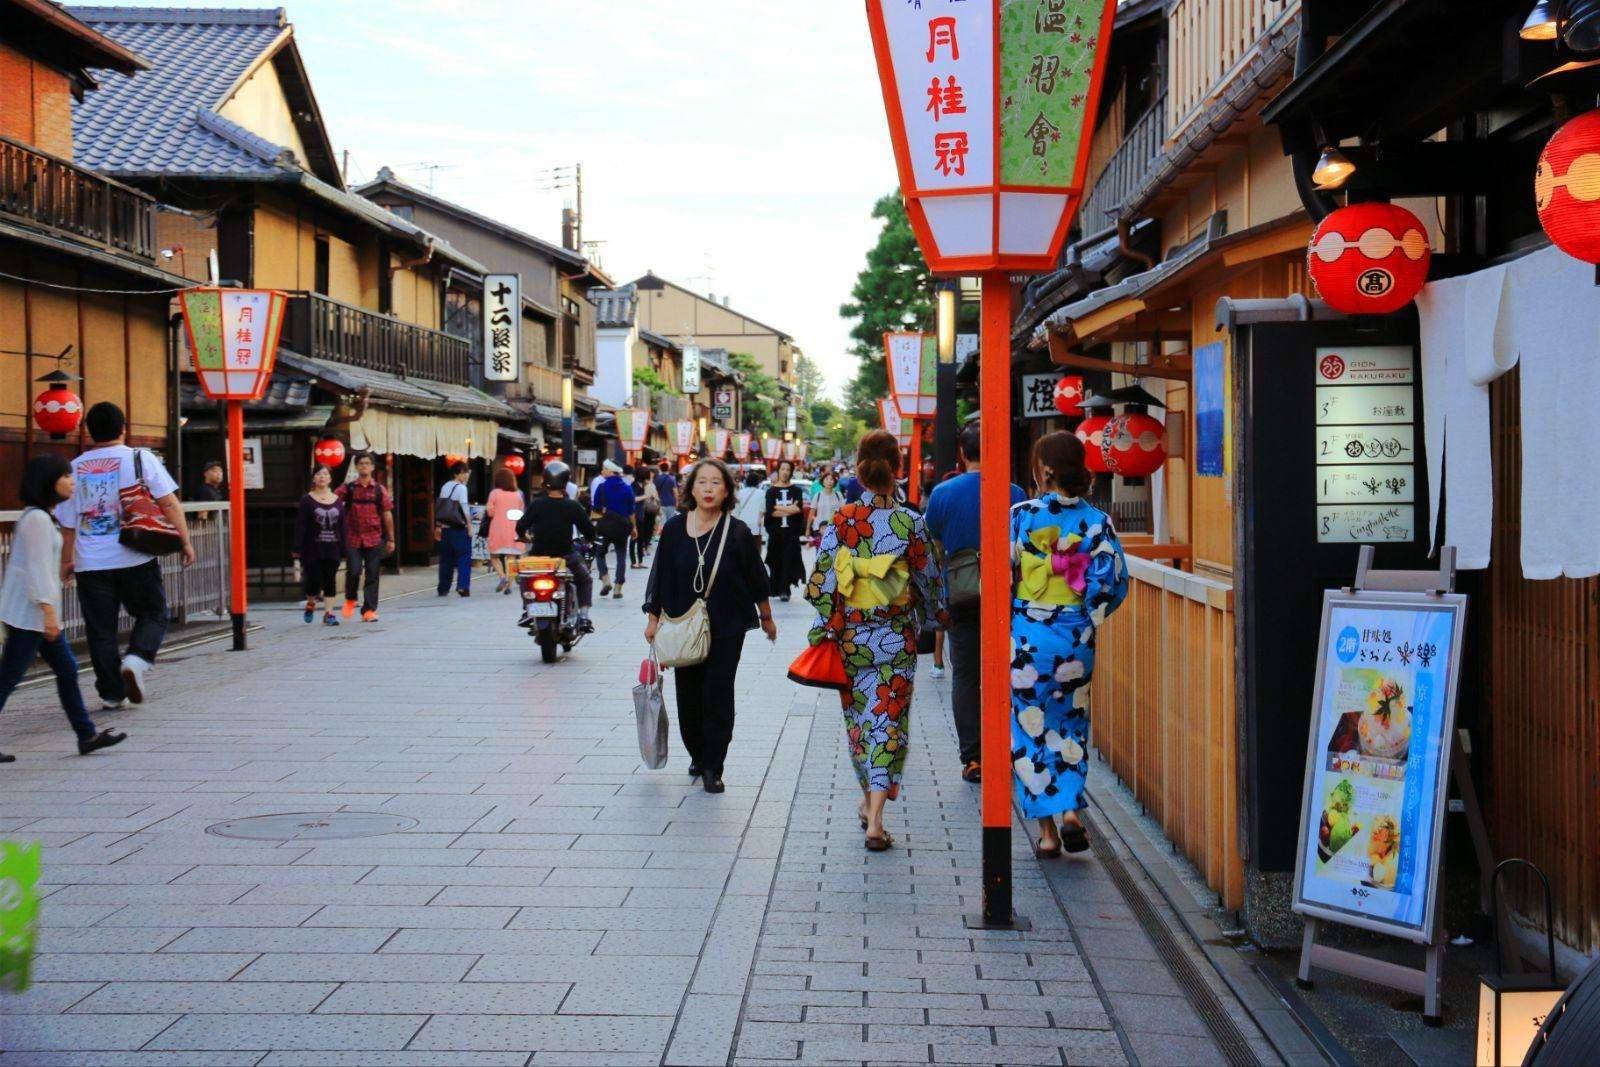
column 103, row 739
column 880, row 844
column 1074, row 838
column 972, row 772
column 6, row 757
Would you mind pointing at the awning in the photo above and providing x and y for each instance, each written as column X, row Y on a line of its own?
column 391, row 391
column 426, row 436
column 277, row 420
column 518, row 439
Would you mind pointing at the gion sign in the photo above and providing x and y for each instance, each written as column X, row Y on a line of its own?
column 233, row 338
column 912, row 359
column 502, row 308
column 989, row 103
column 1366, row 432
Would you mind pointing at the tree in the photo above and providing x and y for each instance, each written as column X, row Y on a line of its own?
column 808, row 378
column 762, row 400
column 893, row 292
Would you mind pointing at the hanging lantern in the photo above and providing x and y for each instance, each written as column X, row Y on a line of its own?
column 1090, row 431
column 1134, row 444
column 514, row 463
column 233, row 338
column 1369, row 259
column 451, row 459
column 1069, row 395
column 1566, row 188
column 329, row 452
column 58, row 409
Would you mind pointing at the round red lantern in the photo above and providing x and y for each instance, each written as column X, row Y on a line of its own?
column 514, row 463
column 58, row 409
column 1134, row 444
column 1091, row 430
column 452, row 459
column 329, row 452
column 1369, row 259
column 1069, row 395
column 1566, row 188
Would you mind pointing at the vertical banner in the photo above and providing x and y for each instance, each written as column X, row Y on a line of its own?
column 502, row 338
column 691, row 369
column 1209, row 415
column 683, row 436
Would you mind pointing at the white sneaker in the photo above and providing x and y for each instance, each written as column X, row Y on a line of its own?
column 936, row 672
column 133, row 672
column 112, row 705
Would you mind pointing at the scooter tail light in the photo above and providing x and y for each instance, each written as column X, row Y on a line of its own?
column 544, row 585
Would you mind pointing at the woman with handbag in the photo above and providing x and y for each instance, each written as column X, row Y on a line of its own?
column 707, row 589
column 785, row 524
column 1070, row 574
column 877, row 583
column 501, row 512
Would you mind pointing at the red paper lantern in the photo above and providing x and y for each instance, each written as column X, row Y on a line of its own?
column 514, row 463
column 1090, row 431
column 58, row 409
column 1069, row 395
column 452, row 459
column 329, row 452
column 1134, row 445
column 1369, row 259
column 1566, row 188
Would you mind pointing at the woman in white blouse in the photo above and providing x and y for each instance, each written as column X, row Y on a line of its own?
column 30, row 601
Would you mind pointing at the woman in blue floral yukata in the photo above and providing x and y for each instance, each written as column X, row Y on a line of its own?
column 876, row 584
column 1070, row 574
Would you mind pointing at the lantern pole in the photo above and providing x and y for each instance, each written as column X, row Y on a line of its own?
column 236, row 572
column 994, row 384
column 914, row 482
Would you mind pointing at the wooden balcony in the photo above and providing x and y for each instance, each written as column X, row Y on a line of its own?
column 52, row 194
column 1127, row 167
column 543, row 383
column 1208, row 43
column 325, row 328
column 1164, row 716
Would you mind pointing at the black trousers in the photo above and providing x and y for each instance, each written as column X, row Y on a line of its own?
column 961, row 639
column 319, row 577
column 357, row 560
column 641, row 544
column 137, row 590
column 705, row 702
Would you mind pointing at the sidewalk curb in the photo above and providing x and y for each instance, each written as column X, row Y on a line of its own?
column 1231, row 975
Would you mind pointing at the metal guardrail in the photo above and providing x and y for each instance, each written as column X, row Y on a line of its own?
column 56, row 194
column 197, row 593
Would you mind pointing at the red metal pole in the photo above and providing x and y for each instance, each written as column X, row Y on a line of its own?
column 236, row 569
column 994, row 388
column 914, row 482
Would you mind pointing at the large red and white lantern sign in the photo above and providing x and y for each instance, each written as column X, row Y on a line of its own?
column 683, row 436
column 233, row 338
column 913, row 360
column 991, row 104
column 894, row 422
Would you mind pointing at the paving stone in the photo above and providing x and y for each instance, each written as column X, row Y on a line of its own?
column 704, row 1031
column 211, row 1058
column 132, row 967
column 213, row 915
column 438, row 917
column 355, row 967
column 547, row 1033
column 44, row 998
column 445, row 998
column 522, row 942
column 408, row 1058
column 184, row 998
column 331, row 1032
column 1156, row 1015
column 80, row 1034
column 280, row 939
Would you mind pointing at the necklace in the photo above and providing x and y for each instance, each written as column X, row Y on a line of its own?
column 700, row 549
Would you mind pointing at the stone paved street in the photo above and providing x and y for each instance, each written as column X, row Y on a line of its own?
column 542, row 899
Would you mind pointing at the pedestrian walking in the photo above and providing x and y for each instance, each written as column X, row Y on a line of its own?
column 751, row 505
column 1070, row 574
column 452, row 528
column 616, row 524
column 784, row 525
column 647, row 501
column 876, row 584
column 706, row 553
column 319, row 545
column 368, row 536
column 112, row 576
column 667, row 491
column 952, row 515
column 30, row 601
column 826, row 502
column 546, row 528
column 211, row 488
column 503, row 508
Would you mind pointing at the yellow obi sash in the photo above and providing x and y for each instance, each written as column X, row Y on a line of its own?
column 1041, row 581
column 868, row 582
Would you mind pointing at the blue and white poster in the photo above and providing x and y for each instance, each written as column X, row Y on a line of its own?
column 1208, row 413
column 1379, row 760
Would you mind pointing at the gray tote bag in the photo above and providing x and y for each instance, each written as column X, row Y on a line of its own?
column 650, row 715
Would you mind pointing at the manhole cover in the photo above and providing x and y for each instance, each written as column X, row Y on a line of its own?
column 312, row 826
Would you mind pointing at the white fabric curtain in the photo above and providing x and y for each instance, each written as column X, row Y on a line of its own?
column 426, row 436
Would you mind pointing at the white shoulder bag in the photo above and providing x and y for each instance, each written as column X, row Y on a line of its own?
column 685, row 640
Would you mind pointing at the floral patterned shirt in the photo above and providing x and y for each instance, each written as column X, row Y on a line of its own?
column 876, row 566
column 1065, row 557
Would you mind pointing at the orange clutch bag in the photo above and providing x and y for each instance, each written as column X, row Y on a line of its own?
column 821, row 666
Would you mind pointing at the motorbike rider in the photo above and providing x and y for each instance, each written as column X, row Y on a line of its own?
column 546, row 528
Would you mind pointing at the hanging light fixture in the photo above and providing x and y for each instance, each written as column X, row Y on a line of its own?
column 1542, row 23
column 1580, row 25
column 1333, row 169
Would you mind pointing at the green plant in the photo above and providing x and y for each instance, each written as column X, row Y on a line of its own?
column 646, row 376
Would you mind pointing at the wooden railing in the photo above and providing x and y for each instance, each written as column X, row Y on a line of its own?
column 1133, row 159
column 1208, row 41
column 544, row 383
column 1164, row 717
column 665, row 406
column 49, row 192
column 330, row 329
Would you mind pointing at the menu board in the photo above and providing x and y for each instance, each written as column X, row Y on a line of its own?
column 1378, row 760
column 1366, row 444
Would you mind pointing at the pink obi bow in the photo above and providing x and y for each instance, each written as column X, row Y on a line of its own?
column 1072, row 566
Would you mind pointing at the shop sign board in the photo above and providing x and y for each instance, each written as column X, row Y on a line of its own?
column 1378, row 760
column 588, row 457
column 691, row 369
column 250, row 457
column 1366, row 444
column 1039, row 396
column 502, row 319
column 912, row 359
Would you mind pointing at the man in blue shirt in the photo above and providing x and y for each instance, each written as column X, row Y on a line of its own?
column 667, row 490
column 952, row 519
column 614, row 502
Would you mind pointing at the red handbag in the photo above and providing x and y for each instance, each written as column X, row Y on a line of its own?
column 144, row 526
column 821, row 666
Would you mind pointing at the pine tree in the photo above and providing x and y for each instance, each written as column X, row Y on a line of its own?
column 893, row 292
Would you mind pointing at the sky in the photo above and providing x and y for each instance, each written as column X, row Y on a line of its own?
column 733, row 147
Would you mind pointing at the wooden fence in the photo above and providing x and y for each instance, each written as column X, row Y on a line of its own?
column 1164, row 713
column 1209, row 41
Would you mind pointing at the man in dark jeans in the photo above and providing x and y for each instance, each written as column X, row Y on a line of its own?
column 110, row 575
column 614, row 503
column 952, row 519
column 368, row 536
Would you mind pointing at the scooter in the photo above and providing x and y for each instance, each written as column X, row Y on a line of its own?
column 550, row 603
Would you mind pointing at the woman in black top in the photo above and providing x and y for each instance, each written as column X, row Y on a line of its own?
column 784, row 523
column 319, row 545
column 736, row 603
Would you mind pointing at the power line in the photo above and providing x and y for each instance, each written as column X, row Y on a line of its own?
column 85, row 289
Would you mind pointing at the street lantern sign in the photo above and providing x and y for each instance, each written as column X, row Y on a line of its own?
column 233, row 338
column 991, row 104
column 683, row 436
column 633, row 428
column 719, row 441
column 912, row 360
column 894, row 422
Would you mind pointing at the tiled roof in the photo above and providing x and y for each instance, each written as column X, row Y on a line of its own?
column 614, row 307
column 148, row 123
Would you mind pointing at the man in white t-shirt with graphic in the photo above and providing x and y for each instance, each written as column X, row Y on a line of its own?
column 110, row 575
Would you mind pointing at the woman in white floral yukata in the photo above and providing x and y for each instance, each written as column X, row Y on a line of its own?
column 1070, row 574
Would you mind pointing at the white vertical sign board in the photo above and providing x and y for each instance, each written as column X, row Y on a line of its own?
column 691, row 369
column 1365, row 441
column 502, row 337
column 244, row 336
